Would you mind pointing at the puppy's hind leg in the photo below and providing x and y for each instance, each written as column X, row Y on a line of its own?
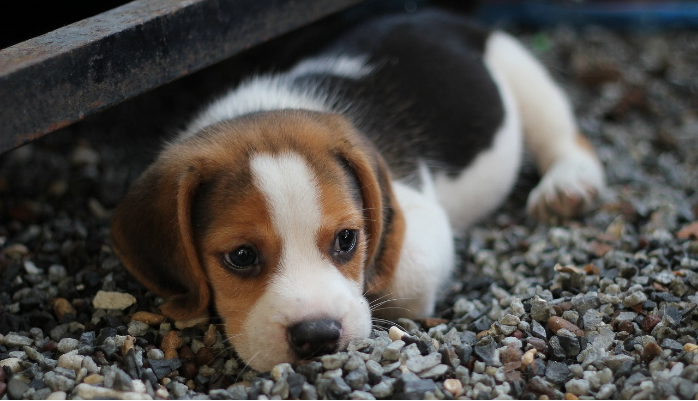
column 572, row 175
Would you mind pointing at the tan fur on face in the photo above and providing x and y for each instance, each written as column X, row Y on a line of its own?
column 205, row 181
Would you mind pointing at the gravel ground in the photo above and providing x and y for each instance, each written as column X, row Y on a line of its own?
column 599, row 308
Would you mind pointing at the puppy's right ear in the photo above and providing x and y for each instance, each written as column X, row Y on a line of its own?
column 152, row 234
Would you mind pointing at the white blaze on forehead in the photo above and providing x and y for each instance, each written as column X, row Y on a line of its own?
column 305, row 284
column 291, row 191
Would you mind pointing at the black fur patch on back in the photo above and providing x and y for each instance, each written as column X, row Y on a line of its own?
column 429, row 96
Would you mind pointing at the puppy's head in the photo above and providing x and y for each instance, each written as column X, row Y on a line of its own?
column 283, row 221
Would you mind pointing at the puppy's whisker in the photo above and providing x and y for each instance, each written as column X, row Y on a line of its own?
column 389, row 323
column 384, row 301
column 394, row 307
column 247, row 365
column 378, row 299
column 375, row 285
column 374, row 307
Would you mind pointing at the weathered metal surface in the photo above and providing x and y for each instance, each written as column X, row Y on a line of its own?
column 53, row 80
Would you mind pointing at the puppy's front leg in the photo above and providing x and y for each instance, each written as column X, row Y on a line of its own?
column 572, row 175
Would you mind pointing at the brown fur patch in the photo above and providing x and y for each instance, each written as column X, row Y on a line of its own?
column 210, row 172
column 386, row 262
column 243, row 222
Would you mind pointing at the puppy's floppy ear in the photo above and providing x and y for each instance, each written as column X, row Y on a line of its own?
column 152, row 234
column 385, row 224
column 388, row 242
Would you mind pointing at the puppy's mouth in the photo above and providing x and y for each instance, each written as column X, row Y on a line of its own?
column 310, row 338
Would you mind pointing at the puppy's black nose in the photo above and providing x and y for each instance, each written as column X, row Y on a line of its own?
column 315, row 337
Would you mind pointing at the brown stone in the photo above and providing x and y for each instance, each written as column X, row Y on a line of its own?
column 599, row 248
column 62, row 307
column 627, row 327
column 171, row 353
column 591, row 269
column 151, row 319
column 528, row 358
column 538, row 344
column 94, row 379
column 129, row 344
column 508, row 367
column 2, row 375
column 189, row 370
column 649, row 322
column 660, row 287
column 556, row 323
column 453, row 386
column 171, row 341
column 689, row 232
column 100, row 358
column 210, row 336
column 186, row 354
column 510, row 354
column 570, row 396
column 651, row 351
column 3, row 389
column 205, row 356
column 690, row 347
column 432, row 322
column 540, row 386
column 513, row 376
column 568, row 269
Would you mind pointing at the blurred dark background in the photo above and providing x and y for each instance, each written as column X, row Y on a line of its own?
column 20, row 21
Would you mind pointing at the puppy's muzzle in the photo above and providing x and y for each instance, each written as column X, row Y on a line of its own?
column 315, row 337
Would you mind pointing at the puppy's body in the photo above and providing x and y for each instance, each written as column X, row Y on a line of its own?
column 405, row 127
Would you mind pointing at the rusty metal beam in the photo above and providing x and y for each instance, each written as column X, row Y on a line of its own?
column 54, row 80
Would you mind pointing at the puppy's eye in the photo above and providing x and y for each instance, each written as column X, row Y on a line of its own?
column 241, row 258
column 345, row 241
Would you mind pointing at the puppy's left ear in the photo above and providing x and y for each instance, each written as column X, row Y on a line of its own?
column 152, row 234
column 384, row 221
column 388, row 243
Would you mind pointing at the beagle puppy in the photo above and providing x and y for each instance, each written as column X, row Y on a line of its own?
column 302, row 202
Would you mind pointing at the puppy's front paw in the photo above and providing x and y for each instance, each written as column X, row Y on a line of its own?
column 568, row 189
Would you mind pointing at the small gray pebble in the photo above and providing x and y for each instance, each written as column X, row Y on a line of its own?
column 356, row 379
column 392, row 351
column 68, row 344
column 361, row 395
column 354, row 362
column 281, row 389
column 179, row 390
column 510, row 320
column 359, row 344
column 420, row 363
column 309, row 392
column 339, row 388
column 15, row 340
column 156, row 354
column 635, row 298
column 16, row 389
column 58, row 382
column 221, row 394
column 383, row 389
column 577, row 387
column 237, row 392
column 334, row 361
